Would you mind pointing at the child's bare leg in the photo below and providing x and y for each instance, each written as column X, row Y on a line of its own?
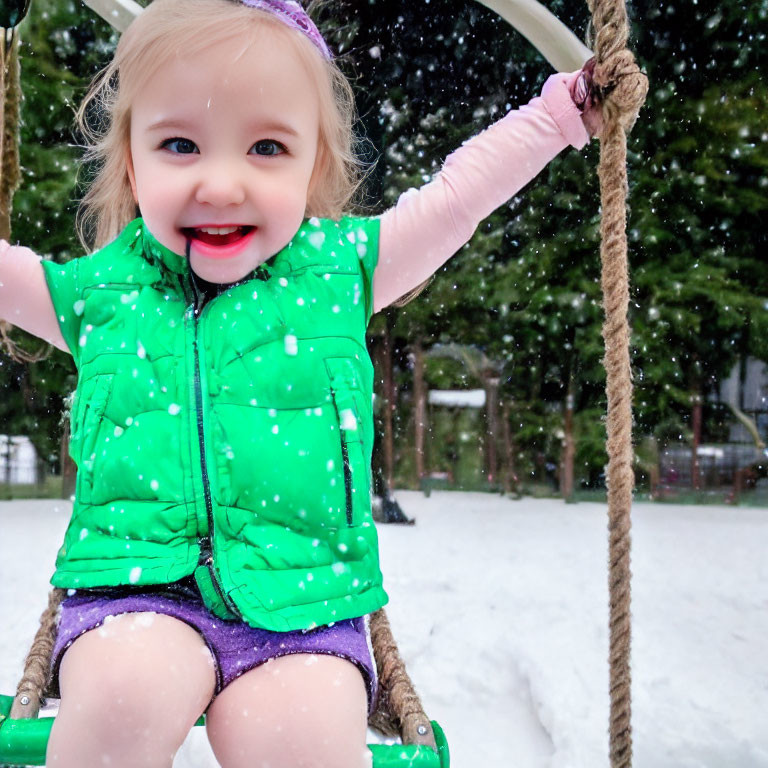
column 298, row 711
column 130, row 692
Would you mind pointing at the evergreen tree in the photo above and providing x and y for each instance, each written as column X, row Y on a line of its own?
column 525, row 290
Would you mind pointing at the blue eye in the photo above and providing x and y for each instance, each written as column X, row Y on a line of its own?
column 184, row 146
column 269, row 147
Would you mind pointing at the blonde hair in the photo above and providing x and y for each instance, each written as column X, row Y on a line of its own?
column 170, row 27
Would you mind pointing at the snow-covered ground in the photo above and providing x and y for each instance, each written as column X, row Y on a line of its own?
column 499, row 608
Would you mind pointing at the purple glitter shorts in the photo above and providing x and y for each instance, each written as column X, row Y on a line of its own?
column 236, row 646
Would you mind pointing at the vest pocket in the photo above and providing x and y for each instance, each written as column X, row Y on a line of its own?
column 87, row 415
column 345, row 394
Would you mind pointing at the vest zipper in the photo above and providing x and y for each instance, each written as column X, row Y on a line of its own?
column 205, row 542
column 345, row 459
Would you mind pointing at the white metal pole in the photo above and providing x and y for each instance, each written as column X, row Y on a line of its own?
column 559, row 46
column 556, row 43
column 119, row 13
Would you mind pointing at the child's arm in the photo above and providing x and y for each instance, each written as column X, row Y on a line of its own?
column 24, row 297
column 428, row 226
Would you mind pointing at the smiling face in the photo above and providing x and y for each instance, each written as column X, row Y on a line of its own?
column 223, row 145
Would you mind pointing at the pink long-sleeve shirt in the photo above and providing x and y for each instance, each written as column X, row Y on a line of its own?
column 419, row 234
column 427, row 226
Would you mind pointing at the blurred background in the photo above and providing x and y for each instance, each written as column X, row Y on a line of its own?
column 491, row 379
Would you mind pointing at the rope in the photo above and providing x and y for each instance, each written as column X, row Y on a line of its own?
column 623, row 89
column 10, row 92
column 10, row 175
column 399, row 711
column 31, row 688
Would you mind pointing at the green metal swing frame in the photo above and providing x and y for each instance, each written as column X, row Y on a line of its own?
column 23, row 742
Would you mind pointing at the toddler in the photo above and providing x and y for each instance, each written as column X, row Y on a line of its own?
column 221, row 554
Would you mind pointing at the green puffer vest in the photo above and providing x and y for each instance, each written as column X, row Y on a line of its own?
column 230, row 439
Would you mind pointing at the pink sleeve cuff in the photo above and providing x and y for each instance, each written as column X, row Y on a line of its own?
column 556, row 95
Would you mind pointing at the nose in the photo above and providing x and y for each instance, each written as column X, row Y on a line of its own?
column 220, row 184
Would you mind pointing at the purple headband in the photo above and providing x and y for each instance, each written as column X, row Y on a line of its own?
column 291, row 13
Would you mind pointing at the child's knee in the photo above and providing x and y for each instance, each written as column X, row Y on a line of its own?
column 299, row 711
column 131, row 676
column 290, row 743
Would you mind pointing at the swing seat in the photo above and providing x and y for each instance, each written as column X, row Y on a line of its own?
column 24, row 737
column 24, row 741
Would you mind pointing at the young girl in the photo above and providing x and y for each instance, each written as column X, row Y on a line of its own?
column 221, row 555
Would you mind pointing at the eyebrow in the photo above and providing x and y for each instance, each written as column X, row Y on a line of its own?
column 258, row 126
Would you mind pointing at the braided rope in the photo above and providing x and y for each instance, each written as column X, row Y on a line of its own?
column 623, row 88
column 10, row 174
column 10, row 92
column 399, row 711
column 31, row 688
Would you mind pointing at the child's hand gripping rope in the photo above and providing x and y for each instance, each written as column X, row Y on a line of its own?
column 586, row 98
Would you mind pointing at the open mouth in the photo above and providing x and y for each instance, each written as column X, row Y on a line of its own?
column 217, row 235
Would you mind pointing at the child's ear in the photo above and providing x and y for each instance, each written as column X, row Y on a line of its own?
column 131, row 174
